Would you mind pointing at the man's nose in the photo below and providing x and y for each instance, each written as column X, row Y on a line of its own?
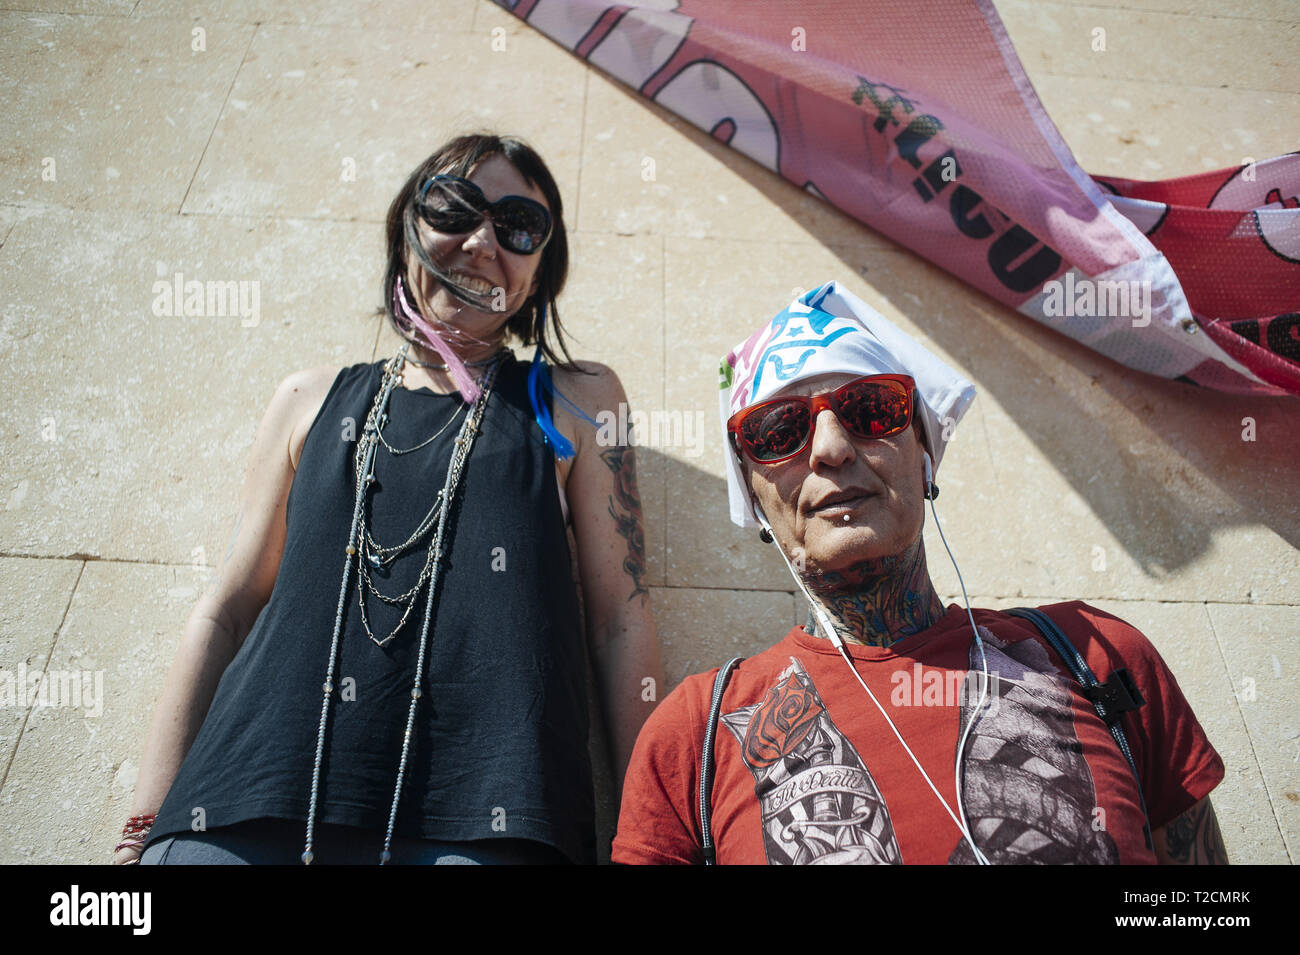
column 832, row 446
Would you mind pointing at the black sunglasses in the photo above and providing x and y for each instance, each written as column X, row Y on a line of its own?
column 455, row 206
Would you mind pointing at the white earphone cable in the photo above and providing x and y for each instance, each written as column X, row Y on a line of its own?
column 823, row 619
column 984, row 683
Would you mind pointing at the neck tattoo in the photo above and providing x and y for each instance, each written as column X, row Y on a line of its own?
column 878, row 602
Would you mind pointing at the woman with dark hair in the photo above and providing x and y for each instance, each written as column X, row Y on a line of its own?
column 394, row 627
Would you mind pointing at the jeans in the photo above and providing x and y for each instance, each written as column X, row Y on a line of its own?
column 280, row 842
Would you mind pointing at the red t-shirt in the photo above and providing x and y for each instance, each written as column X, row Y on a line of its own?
column 808, row 770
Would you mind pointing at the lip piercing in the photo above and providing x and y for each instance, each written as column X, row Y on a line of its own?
column 847, row 517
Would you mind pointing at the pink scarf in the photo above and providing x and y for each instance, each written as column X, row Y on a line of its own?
column 465, row 384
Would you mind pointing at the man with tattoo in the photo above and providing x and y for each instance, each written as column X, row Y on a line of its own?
column 890, row 728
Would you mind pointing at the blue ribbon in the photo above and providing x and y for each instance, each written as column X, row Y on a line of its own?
column 539, row 377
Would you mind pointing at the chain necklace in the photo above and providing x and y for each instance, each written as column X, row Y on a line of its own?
column 375, row 556
column 396, row 452
column 365, row 456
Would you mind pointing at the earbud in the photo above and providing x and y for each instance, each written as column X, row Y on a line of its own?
column 931, row 489
column 765, row 535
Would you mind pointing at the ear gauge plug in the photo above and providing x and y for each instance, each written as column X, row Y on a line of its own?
column 765, row 535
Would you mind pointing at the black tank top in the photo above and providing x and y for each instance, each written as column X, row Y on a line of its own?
column 500, row 742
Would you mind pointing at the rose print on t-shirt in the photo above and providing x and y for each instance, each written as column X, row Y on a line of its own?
column 780, row 723
column 819, row 804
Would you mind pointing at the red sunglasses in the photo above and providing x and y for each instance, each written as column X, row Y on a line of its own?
column 876, row 406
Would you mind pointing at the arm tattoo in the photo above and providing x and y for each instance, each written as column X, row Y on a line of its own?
column 625, row 508
column 1194, row 838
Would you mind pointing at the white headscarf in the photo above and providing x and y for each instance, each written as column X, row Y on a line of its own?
column 830, row 331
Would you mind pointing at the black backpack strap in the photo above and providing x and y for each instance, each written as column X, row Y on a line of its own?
column 706, row 760
column 1117, row 696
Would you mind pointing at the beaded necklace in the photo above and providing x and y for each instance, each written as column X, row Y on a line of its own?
column 359, row 536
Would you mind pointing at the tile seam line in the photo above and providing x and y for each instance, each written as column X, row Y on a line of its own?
column 163, row 19
column 22, row 730
column 180, row 209
column 73, row 13
column 96, row 559
column 92, row 558
column 1254, row 755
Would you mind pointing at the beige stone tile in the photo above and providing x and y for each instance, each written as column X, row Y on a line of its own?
column 702, row 629
column 407, row 14
column 1139, row 45
column 1140, row 130
column 116, row 110
column 488, row 16
column 11, row 215
column 1111, row 483
column 645, row 170
column 130, row 429
column 1184, row 638
column 306, row 112
column 70, row 787
column 613, row 312
column 1261, row 648
column 33, row 597
column 703, row 548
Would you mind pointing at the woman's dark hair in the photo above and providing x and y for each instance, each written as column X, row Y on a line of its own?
column 459, row 157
